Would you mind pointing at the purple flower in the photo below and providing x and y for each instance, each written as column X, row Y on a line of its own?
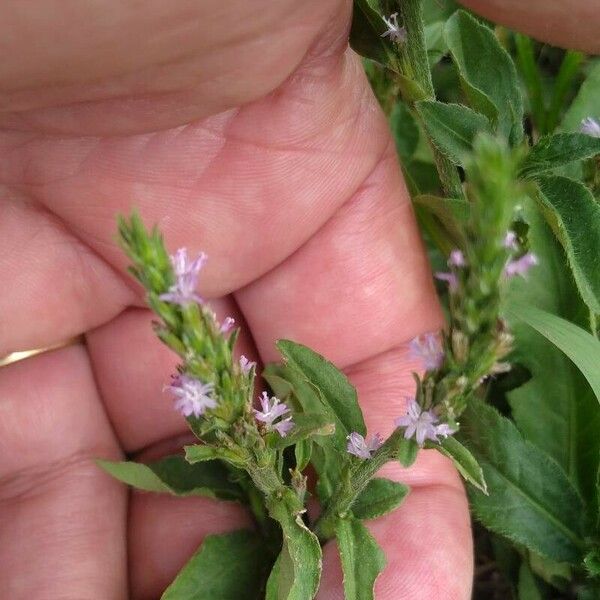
column 246, row 365
column 510, row 240
column 456, row 259
column 590, row 126
column 192, row 396
column 227, row 324
column 272, row 410
column 429, row 349
column 186, row 274
column 520, row 266
column 423, row 424
column 450, row 278
column 358, row 446
column 394, row 31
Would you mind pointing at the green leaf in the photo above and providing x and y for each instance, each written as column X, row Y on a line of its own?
column 362, row 559
column 203, row 452
column 450, row 215
column 405, row 131
column 556, row 408
column 366, row 31
column 407, row 452
column 466, row 464
column 487, row 74
column 306, row 426
column 531, row 501
column 574, row 215
column 302, row 454
column 379, row 497
column 298, row 568
column 228, row 566
column 586, row 101
column 560, row 149
column 452, row 128
column 528, row 588
column 334, row 386
column 580, row 346
column 174, row 475
column 592, row 562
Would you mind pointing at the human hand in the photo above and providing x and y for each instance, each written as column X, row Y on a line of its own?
column 295, row 194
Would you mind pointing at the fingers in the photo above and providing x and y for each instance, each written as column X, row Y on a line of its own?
column 568, row 23
column 63, row 520
column 123, row 67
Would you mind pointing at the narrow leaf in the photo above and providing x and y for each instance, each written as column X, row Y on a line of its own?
column 487, row 73
column 362, row 559
column 528, row 588
column 174, row 475
column 337, row 391
column 203, row 452
column 466, row 464
column 449, row 213
column 586, row 102
column 580, row 346
column 531, row 500
column 452, row 128
column 379, row 497
column 557, row 150
column 306, row 426
column 226, row 566
column 574, row 214
column 366, row 34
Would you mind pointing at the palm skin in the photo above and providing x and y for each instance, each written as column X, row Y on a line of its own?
column 248, row 132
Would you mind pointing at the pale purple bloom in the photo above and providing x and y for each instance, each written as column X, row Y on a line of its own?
column 591, row 127
column 457, row 259
column 273, row 409
column 227, row 324
column 186, row 278
column 428, row 349
column 192, row 396
column 358, row 446
column 246, row 365
column 510, row 240
column 520, row 266
column 450, row 278
column 394, row 31
column 422, row 424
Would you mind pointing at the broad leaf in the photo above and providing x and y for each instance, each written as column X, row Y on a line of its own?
column 379, row 497
column 574, row 214
column 556, row 409
column 306, row 426
column 226, row 566
column 579, row 345
column 487, row 74
column 362, row 559
column 586, row 101
column 466, row 464
column 366, row 34
column 531, row 500
column 557, row 150
column 452, row 128
column 334, row 386
column 299, row 570
column 174, row 475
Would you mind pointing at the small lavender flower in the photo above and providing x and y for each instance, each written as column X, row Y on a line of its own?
column 394, row 31
column 246, row 365
column 590, row 126
column 358, row 446
column 450, row 278
column 272, row 410
column 510, row 241
column 227, row 324
column 456, row 259
column 186, row 273
column 520, row 266
column 423, row 424
column 428, row 349
column 192, row 396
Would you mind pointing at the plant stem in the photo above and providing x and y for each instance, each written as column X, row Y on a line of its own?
column 416, row 67
column 353, row 483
